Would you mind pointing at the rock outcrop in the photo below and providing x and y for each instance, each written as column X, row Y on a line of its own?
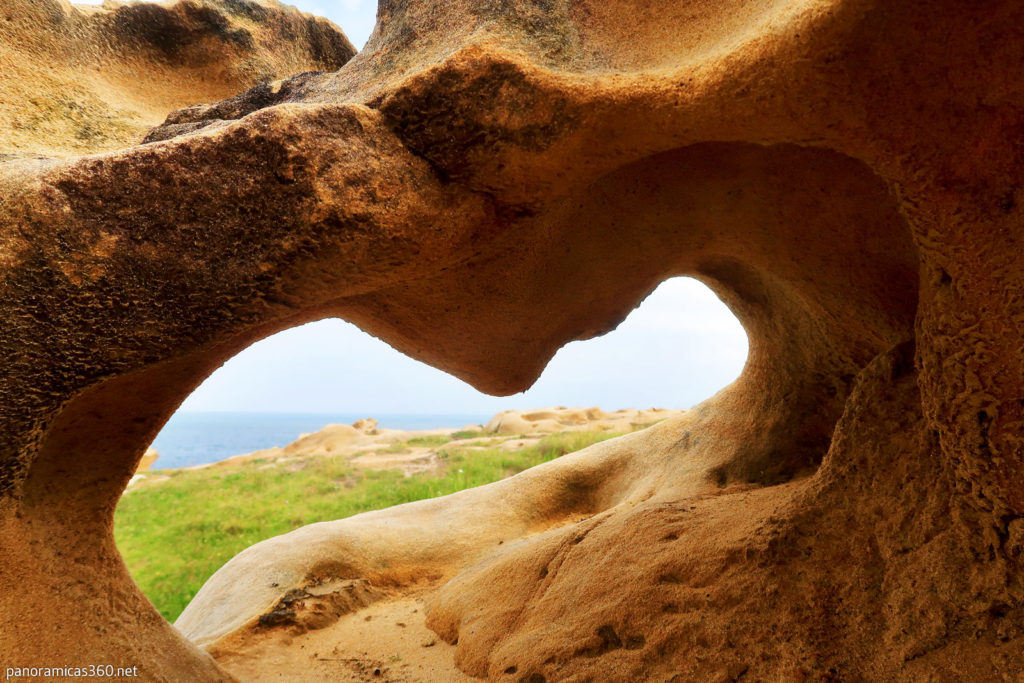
column 488, row 181
column 552, row 420
column 91, row 78
column 368, row 446
column 148, row 458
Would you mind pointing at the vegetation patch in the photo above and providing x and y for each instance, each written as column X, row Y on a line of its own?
column 179, row 528
column 429, row 440
column 468, row 434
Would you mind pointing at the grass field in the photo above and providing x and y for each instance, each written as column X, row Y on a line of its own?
column 175, row 533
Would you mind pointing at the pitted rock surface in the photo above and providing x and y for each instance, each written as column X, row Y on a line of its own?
column 92, row 78
column 482, row 184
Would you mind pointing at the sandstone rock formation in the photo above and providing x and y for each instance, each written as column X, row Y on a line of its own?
column 368, row 447
column 90, row 78
column 147, row 460
column 486, row 182
column 552, row 420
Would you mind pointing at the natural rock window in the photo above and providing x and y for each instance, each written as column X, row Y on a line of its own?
column 482, row 184
column 240, row 477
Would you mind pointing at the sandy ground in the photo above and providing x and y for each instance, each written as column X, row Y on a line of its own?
column 386, row 641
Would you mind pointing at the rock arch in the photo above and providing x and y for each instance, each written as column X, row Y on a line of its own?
column 482, row 185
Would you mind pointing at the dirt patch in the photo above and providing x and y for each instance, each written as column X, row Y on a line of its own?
column 384, row 641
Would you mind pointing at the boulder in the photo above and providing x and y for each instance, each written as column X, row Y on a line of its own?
column 147, row 460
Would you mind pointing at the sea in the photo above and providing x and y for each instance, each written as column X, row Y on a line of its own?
column 198, row 438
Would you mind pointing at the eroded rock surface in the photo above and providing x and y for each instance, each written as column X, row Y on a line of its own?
column 91, row 78
column 488, row 181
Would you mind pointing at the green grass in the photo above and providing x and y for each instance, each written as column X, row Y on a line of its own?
column 174, row 534
column 637, row 426
column 468, row 434
column 429, row 440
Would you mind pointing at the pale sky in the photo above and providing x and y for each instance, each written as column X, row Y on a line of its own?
column 355, row 17
column 680, row 346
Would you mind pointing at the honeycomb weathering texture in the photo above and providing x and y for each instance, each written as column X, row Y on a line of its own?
column 483, row 183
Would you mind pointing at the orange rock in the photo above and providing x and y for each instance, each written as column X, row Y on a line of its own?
column 484, row 183
column 148, row 458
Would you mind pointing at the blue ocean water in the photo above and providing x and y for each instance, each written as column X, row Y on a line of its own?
column 198, row 438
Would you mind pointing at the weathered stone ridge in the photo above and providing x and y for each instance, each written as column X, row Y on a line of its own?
column 84, row 78
column 486, row 182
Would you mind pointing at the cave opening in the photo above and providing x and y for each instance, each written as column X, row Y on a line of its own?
column 249, row 436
